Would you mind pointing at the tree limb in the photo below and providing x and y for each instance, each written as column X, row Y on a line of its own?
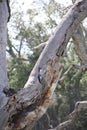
column 73, row 117
column 29, row 104
column 40, row 47
column 80, row 45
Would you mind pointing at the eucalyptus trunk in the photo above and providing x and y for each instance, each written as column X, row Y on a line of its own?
column 4, row 14
column 28, row 105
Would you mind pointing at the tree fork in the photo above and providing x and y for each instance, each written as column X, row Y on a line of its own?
column 44, row 77
column 30, row 103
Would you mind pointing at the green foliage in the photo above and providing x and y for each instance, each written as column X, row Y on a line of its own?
column 64, row 111
column 18, row 73
column 81, row 123
column 18, row 70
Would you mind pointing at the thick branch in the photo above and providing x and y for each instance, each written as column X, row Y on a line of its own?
column 32, row 102
column 3, row 66
column 80, row 44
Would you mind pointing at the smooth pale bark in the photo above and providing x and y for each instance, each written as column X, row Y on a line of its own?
column 3, row 40
column 80, row 44
column 31, row 103
column 3, row 66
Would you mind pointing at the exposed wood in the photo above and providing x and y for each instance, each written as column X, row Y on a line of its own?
column 29, row 104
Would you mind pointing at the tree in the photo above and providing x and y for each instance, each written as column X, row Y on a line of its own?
column 22, row 109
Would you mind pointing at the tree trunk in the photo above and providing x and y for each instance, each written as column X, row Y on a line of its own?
column 3, row 66
column 28, row 105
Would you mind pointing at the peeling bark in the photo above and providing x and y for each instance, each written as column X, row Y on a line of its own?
column 30, row 103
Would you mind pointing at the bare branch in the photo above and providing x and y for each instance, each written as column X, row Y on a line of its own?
column 79, row 107
column 65, row 74
column 80, row 45
column 80, row 70
column 40, row 47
